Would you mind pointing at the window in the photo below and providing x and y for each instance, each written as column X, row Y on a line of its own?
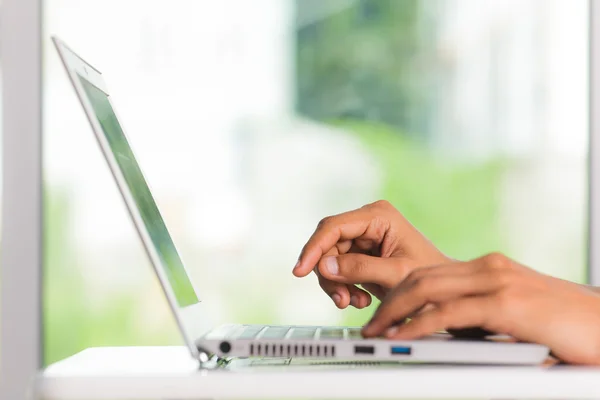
column 254, row 120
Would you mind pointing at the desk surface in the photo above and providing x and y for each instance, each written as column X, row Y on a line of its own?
column 170, row 373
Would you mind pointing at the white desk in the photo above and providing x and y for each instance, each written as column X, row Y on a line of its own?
column 170, row 373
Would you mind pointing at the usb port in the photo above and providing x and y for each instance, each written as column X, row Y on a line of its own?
column 401, row 350
column 364, row 350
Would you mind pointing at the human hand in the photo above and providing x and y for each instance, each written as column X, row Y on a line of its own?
column 374, row 246
column 499, row 295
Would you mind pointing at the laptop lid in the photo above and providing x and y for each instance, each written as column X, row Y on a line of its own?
column 94, row 96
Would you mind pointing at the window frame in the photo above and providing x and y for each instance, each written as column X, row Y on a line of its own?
column 594, row 146
column 21, row 258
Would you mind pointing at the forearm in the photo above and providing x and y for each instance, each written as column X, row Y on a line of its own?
column 595, row 289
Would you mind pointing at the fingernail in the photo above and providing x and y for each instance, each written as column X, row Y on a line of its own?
column 336, row 298
column 354, row 300
column 297, row 265
column 332, row 265
column 392, row 331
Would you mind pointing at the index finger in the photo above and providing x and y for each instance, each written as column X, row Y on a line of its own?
column 347, row 226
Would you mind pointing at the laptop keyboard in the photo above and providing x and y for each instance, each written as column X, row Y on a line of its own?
column 250, row 332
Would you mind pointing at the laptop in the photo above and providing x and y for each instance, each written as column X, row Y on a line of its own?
column 255, row 344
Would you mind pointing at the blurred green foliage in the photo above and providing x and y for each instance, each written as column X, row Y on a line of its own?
column 71, row 322
column 369, row 61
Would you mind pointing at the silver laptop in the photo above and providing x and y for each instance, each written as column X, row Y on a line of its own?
column 253, row 343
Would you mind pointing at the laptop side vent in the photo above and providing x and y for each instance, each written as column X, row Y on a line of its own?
column 291, row 350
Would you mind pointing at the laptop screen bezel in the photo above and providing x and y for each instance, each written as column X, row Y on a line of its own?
column 192, row 320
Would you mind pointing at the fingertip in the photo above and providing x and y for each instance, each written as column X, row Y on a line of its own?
column 376, row 326
column 307, row 261
column 342, row 305
column 369, row 330
column 300, row 270
column 391, row 332
column 336, row 298
column 345, row 300
column 367, row 333
column 297, row 269
column 360, row 300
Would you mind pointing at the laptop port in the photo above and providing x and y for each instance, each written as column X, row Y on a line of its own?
column 364, row 350
column 225, row 347
column 401, row 350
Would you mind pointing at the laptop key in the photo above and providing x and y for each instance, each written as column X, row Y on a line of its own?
column 274, row 332
column 250, row 332
column 332, row 333
column 303, row 333
column 354, row 333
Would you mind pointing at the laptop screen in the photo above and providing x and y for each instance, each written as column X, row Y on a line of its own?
column 161, row 240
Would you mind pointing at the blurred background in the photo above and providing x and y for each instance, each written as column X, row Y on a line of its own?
column 253, row 120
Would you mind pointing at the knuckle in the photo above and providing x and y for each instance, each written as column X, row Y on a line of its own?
column 380, row 225
column 425, row 286
column 379, row 205
column 325, row 222
column 391, row 244
column 396, row 272
column 384, row 204
column 503, row 277
column 416, row 275
column 420, row 286
column 496, row 261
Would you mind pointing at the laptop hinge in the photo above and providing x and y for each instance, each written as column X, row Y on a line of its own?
column 208, row 360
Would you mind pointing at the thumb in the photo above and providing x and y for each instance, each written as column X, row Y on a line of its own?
column 355, row 268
